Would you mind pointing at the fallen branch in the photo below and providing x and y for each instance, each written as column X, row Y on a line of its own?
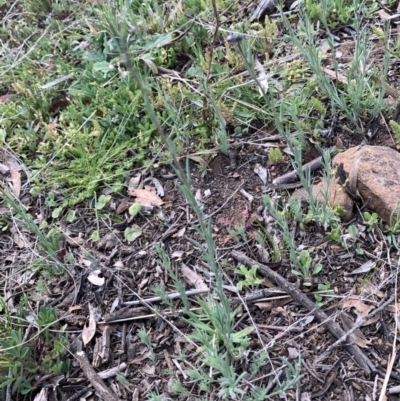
column 293, row 176
column 174, row 295
column 362, row 360
column 106, row 374
column 104, row 392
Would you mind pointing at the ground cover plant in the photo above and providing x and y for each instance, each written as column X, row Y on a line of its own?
column 150, row 248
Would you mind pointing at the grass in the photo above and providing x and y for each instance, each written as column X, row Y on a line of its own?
column 94, row 95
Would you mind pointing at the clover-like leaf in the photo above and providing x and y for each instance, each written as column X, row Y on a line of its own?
column 132, row 233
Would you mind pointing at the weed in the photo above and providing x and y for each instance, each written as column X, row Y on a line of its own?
column 238, row 233
column 305, row 270
column 396, row 130
column 250, row 276
column 18, row 366
column 370, row 220
column 275, row 156
column 327, row 293
column 358, row 93
column 144, row 337
column 393, row 228
column 335, row 234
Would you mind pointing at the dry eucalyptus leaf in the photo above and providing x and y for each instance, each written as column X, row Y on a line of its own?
column 149, row 369
column 365, row 268
column 89, row 329
column 146, row 198
column 4, row 170
column 265, row 305
column 177, row 255
column 180, row 233
column 193, row 278
column 15, row 175
column 123, row 205
column 357, row 337
column 354, row 301
column 75, row 308
column 95, row 279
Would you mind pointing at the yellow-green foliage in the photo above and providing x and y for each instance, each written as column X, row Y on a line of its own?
column 318, row 105
column 396, row 130
column 267, row 33
column 296, row 70
column 378, row 32
column 271, row 29
column 275, row 155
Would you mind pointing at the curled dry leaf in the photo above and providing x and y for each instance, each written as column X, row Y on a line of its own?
column 261, row 78
column 89, row 329
column 264, row 305
column 261, row 172
column 151, row 65
column 95, row 279
column 134, row 182
column 157, row 184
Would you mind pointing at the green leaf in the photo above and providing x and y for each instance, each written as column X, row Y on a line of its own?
column 5, row 381
column 56, row 212
column 71, row 216
column 353, row 231
column 158, row 41
column 132, row 233
column 135, row 209
column 95, row 236
column 236, row 337
column 101, row 202
column 103, row 66
column 49, row 201
column 3, row 135
column 317, row 268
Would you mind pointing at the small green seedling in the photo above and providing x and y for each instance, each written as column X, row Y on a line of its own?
column 250, row 279
column 328, row 293
column 371, row 220
column 305, row 271
column 147, row 342
column 334, row 234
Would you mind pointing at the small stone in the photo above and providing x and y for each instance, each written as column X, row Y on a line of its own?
column 378, row 177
